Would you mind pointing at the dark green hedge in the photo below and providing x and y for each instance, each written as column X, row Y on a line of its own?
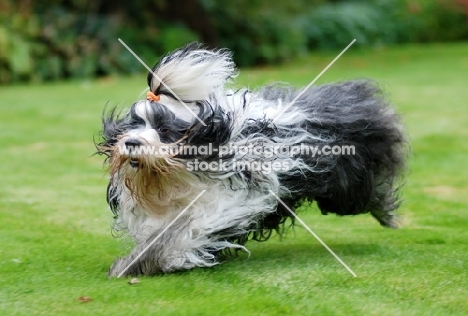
column 55, row 39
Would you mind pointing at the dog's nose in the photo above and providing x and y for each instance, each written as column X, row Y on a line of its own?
column 132, row 143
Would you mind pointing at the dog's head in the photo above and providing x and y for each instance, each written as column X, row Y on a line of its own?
column 182, row 108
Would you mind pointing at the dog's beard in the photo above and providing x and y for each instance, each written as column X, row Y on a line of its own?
column 154, row 182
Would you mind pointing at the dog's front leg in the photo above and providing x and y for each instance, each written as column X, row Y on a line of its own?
column 142, row 261
column 161, row 253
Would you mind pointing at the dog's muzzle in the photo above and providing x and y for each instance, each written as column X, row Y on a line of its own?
column 132, row 146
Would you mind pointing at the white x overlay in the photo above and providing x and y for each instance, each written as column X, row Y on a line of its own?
column 271, row 192
column 160, row 234
column 162, row 82
column 314, row 234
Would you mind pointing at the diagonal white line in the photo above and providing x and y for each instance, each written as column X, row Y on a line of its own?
column 162, row 82
column 160, row 234
column 314, row 234
column 312, row 82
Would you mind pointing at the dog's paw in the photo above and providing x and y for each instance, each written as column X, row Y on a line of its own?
column 123, row 267
column 119, row 265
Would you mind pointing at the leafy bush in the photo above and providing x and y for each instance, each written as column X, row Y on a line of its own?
column 54, row 39
column 333, row 25
column 259, row 31
column 61, row 44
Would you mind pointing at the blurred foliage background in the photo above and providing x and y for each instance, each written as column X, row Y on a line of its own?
column 55, row 39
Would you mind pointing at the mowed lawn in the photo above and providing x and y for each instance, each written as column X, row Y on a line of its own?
column 56, row 241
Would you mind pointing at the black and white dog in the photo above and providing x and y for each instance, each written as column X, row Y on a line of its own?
column 341, row 145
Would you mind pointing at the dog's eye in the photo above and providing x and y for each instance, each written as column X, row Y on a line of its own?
column 163, row 130
column 136, row 121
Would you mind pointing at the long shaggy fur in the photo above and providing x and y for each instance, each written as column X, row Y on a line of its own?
column 146, row 192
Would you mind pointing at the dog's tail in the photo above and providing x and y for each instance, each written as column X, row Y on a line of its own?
column 360, row 150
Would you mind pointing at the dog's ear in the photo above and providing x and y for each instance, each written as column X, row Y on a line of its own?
column 192, row 73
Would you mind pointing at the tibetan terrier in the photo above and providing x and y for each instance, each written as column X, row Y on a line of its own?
column 198, row 169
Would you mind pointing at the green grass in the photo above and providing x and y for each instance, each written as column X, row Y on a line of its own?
column 55, row 225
